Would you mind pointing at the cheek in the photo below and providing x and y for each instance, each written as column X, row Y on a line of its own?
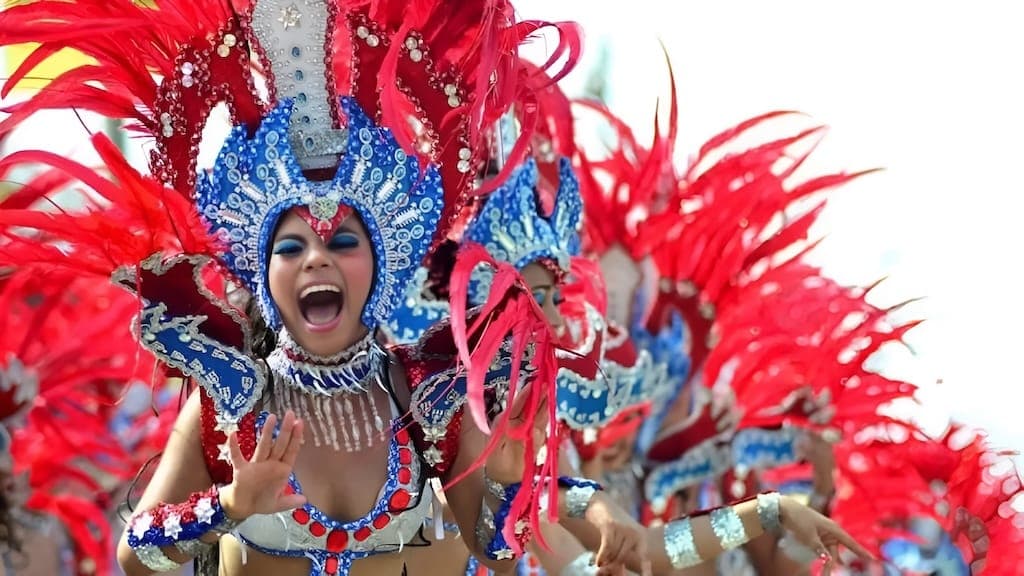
column 276, row 278
column 281, row 281
column 552, row 313
column 358, row 271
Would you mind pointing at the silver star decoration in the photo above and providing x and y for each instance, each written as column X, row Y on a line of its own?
column 204, row 511
column 505, row 554
column 433, row 456
column 521, row 526
column 172, row 526
column 433, row 434
column 291, row 17
column 141, row 524
column 225, row 453
column 226, row 424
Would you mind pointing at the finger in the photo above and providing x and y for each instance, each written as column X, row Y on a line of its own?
column 284, row 437
column 826, row 568
column 235, row 456
column 833, row 550
column 294, row 444
column 614, row 553
column 846, row 540
column 602, row 552
column 612, row 570
column 640, row 548
column 288, row 502
column 266, row 439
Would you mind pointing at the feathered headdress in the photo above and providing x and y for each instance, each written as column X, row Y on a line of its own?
column 890, row 479
column 724, row 227
column 512, row 227
column 796, row 357
column 58, row 397
column 433, row 72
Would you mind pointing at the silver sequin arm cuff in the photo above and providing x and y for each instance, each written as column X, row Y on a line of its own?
column 768, row 512
column 581, row 566
column 153, row 557
column 193, row 548
column 577, row 500
column 728, row 527
column 485, row 527
column 680, row 545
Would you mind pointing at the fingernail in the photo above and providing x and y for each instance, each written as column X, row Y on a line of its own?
column 825, row 556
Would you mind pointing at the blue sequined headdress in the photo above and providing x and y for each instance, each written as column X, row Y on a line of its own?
column 257, row 179
column 510, row 225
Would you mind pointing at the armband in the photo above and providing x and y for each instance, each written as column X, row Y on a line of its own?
column 178, row 525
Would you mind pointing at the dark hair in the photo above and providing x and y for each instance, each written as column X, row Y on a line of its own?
column 264, row 340
column 440, row 266
column 9, row 537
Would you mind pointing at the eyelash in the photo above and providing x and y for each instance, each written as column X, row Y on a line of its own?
column 291, row 247
column 288, row 248
column 343, row 241
column 541, row 296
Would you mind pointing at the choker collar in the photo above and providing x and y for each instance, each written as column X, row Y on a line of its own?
column 348, row 371
column 332, row 393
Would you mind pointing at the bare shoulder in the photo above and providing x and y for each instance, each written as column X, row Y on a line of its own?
column 182, row 468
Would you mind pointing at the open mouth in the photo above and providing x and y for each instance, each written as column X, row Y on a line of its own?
column 321, row 305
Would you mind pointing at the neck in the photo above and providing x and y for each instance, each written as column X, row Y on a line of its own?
column 296, row 353
column 348, row 371
column 332, row 393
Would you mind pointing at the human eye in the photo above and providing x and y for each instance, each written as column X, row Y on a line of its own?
column 343, row 241
column 288, row 247
column 540, row 295
column 558, row 298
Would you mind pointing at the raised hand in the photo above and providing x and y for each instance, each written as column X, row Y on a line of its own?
column 818, row 533
column 259, row 483
column 622, row 537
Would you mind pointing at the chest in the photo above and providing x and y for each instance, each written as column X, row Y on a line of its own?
column 343, row 485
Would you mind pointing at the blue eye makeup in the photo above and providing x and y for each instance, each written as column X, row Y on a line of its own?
column 288, row 247
column 343, row 240
column 540, row 295
column 558, row 299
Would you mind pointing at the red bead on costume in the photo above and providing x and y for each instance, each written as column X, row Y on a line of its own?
column 362, row 534
column 331, row 566
column 317, row 529
column 404, row 475
column 402, row 436
column 380, row 522
column 400, row 500
column 337, row 540
column 300, row 515
column 405, row 456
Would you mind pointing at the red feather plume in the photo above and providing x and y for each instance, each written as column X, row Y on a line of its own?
column 515, row 315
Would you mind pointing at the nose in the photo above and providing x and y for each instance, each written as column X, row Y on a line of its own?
column 555, row 319
column 317, row 257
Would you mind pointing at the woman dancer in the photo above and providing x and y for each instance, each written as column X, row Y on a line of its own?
column 322, row 216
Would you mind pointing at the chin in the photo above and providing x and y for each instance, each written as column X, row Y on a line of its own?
column 331, row 342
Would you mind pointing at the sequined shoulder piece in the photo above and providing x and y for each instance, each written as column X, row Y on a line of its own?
column 197, row 333
column 439, row 392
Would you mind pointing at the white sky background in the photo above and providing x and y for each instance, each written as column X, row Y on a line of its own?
column 931, row 92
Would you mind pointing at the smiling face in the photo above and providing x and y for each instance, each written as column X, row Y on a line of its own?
column 320, row 288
